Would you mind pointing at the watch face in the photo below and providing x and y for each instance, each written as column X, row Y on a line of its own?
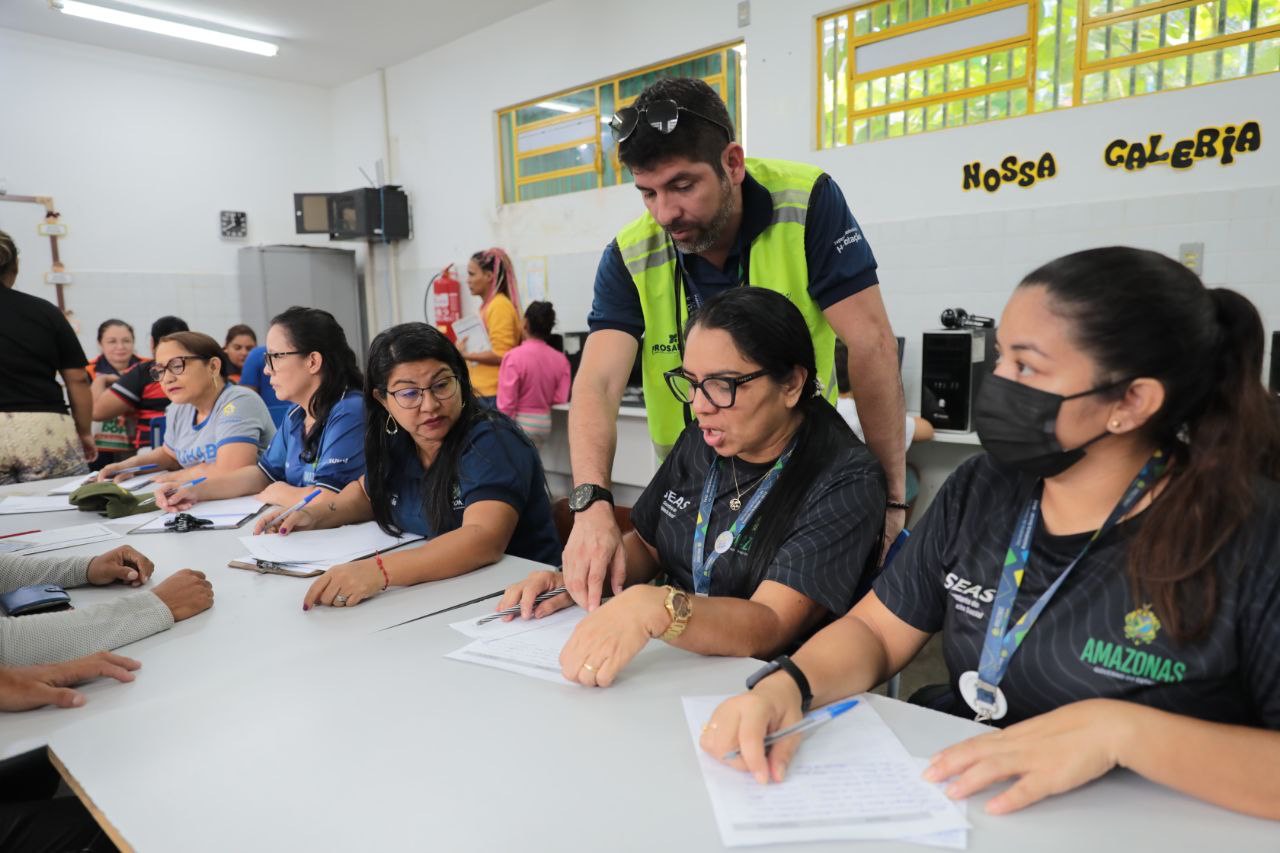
column 681, row 605
column 581, row 496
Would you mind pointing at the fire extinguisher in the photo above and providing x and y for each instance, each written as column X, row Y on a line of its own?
column 444, row 301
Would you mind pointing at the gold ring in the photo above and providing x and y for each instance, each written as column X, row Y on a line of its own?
column 588, row 667
column 340, row 600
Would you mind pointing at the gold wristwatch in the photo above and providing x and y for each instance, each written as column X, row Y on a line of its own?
column 679, row 606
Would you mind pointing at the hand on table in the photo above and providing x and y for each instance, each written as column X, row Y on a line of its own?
column 345, row 585
column 741, row 722
column 594, row 551
column 606, row 640
column 180, row 499
column 186, row 593
column 524, row 592
column 268, row 521
column 1050, row 754
column 26, row 687
column 123, row 564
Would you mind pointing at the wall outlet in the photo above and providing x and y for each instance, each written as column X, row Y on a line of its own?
column 744, row 13
column 1192, row 257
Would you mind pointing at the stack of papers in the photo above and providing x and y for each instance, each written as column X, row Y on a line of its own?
column 851, row 779
column 52, row 540
column 18, row 504
column 136, row 484
column 311, row 550
column 225, row 515
column 527, row 646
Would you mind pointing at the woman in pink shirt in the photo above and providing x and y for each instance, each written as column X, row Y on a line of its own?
column 533, row 376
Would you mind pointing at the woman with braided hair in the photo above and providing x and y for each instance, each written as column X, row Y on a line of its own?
column 491, row 276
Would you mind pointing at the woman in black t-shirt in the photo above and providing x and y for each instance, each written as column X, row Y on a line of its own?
column 1107, row 579
column 768, row 509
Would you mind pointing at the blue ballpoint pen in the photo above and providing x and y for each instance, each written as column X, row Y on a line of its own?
column 299, row 505
column 811, row 721
column 197, row 481
column 135, row 469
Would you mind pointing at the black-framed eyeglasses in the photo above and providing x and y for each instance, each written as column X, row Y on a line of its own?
column 662, row 116
column 270, row 357
column 175, row 365
column 720, row 391
column 411, row 398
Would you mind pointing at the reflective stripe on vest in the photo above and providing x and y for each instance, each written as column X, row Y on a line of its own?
column 777, row 262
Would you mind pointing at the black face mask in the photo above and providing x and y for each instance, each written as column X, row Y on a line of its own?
column 1017, row 424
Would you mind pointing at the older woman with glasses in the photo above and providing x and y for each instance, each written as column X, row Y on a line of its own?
column 440, row 466
column 213, row 427
column 319, row 443
column 762, row 519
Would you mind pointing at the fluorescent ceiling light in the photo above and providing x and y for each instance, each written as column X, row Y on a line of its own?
column 163, row 27
column 558, row 106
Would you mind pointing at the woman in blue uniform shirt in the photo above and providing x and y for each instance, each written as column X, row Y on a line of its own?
column 320, row 442
column 440, row 466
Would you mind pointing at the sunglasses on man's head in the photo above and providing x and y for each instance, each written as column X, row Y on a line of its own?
column 662, row 116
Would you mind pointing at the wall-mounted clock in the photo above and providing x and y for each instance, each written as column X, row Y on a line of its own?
column 235, row 224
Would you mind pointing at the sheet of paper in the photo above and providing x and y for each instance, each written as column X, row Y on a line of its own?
column 297, row 567
column 224, row 514
column 851, row 779
column 472, row 328
column 15, row 504
column 534, row 651
column 955, row 839
column 324, row 547
column 497, row 629
column 139, row 484
column 64, row 537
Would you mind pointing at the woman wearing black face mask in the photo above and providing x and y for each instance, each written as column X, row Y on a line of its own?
column 1107, row 578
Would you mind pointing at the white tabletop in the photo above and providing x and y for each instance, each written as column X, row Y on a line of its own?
column 256, row 618
column 382, row 744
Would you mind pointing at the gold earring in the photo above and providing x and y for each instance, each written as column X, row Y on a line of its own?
column 1115, row 424
column 392, row 427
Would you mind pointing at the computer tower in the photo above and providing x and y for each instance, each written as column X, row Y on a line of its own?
column 954, row 362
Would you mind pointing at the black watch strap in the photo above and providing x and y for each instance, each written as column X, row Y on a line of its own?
column 784, row 663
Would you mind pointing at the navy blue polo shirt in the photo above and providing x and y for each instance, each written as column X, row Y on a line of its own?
column 497, row 464
column 839, row 260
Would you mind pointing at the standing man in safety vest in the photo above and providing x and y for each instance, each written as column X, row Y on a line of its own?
column 716, row 220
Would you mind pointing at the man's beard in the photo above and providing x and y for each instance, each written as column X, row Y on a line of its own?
column 710, row 235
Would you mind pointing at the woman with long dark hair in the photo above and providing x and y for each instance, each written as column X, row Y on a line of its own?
column 492, row 277
column 320, row 442
column 1106, row 578
column 462, row 475
column 534, row 376
column 768, row 509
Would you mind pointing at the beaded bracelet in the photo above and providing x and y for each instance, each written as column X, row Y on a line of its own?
column 386, row 578
column 898, row 505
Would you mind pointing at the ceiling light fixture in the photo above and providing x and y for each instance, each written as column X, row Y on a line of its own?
column 163, row 27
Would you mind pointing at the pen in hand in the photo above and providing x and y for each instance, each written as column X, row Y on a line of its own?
column 168, row 490
column 515, row 610
column 279, row 520
column 811, row 721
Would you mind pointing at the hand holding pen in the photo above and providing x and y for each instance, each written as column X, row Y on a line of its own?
column 540, row 594
column 167, row 490
column 268, row 522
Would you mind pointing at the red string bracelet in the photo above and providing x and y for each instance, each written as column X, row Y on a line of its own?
column 386, row 578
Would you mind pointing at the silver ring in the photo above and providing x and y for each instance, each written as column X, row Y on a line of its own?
column 340, row 600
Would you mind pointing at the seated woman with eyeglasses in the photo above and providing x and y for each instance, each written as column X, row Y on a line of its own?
column 768, row 509
column 320, row 443
column 211, row 426
column 439, row 465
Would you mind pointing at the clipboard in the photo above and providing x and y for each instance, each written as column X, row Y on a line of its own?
column 266, row 567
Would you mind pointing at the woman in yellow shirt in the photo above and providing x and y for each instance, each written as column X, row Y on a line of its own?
column 491, row 276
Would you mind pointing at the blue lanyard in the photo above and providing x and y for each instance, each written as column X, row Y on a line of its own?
column 998, row 646
column 701, row 567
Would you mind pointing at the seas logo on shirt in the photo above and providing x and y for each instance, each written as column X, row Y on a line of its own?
column 968, row 595
column 673, row 504
column 1132, row 663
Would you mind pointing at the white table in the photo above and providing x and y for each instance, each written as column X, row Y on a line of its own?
column 382, row 744
column 256, row 619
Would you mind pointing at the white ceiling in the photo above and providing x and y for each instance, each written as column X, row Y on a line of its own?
column 322, row 42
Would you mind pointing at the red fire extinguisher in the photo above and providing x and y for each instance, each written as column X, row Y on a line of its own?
column 444, row 301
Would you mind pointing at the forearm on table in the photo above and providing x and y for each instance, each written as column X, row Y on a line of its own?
column 448, row 555
column 1227, row 765
column 69, row 634
column 350, row 506
column 281, row 493
column 842, row 659
column 246, row 481
column 737, row 627
column 26, row 571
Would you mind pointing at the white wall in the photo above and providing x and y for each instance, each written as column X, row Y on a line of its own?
column 140, row 155
column 937, row 245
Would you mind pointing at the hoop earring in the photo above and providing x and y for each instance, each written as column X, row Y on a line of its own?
column 391, row 427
